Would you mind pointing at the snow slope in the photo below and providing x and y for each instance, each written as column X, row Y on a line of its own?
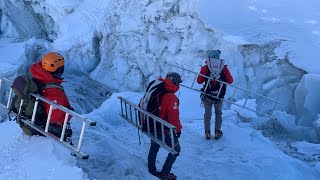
column 115, row 152
column 24, row 157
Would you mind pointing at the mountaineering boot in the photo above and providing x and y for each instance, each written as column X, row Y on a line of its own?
column 169, row 176
column 218, row 134
column 208, row 134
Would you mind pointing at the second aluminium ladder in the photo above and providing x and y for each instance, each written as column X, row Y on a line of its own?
column 133, row 113
column 193, row 74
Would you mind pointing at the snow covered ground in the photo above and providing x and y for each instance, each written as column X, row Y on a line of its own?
column 119, row 46
column 115, row 152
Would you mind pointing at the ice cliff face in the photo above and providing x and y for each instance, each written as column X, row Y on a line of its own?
column 123, row 44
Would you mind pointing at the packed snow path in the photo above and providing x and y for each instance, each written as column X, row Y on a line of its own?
column 243, row 153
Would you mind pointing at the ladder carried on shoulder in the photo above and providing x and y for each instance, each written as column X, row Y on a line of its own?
column 31, row 123
column 131, row 113
column 249, row 94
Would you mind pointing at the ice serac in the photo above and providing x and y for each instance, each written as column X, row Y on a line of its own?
column 307, row 99
column 269, row 72
column 20, row 17
column 144, row 35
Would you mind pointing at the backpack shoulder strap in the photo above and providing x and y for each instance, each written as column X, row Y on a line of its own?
column 51, row 85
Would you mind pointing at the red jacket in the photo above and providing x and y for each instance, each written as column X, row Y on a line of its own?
column 214, row 87
column 205, row 71
column 169, row 108
column 54, row 94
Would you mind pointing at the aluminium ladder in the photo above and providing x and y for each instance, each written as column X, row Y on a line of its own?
column 131, row 113
column 273, row 102
column 76, row 150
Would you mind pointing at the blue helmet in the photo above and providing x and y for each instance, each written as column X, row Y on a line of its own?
column 214, row 54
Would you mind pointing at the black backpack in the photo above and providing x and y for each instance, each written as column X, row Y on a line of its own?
column 213, row 87
column 151, row 102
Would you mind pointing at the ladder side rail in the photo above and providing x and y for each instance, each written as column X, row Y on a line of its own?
column 63, row 143
column 259, row 112
column 163, row 144
column 238, row 87
column 155, row 120
column 64, row 109
column 148, row 113
column 251, row 92
column 45, row 132
column 152, row 137
column 262, row 113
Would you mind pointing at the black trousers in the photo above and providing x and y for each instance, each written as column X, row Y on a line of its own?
column 154, row 149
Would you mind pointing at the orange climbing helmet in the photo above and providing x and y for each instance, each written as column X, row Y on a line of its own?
column 52, row 61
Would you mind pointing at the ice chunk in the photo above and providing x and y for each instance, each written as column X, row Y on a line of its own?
column 307, row 99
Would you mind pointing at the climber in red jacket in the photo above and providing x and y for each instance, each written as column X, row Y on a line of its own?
column 168, row 111
column 216, row 70
column 47, row 72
